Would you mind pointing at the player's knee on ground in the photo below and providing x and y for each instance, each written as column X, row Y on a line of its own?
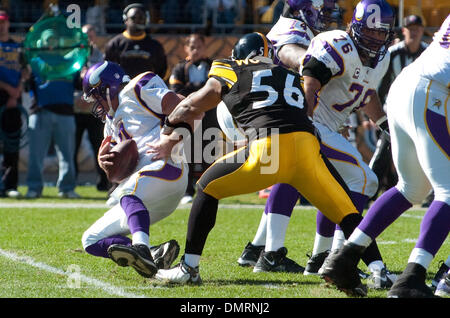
column 88, row 239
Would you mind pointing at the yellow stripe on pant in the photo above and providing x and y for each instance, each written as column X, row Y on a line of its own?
column 292, row 158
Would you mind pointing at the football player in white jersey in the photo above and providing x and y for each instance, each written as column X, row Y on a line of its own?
column 341, row 71
column 134, row 109
column 418, row 124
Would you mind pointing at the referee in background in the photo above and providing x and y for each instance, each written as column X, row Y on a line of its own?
column 403, row 53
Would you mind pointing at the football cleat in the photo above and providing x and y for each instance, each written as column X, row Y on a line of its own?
column 137, row 256
column 411, row 283
column 165, row 254
column 315, row 262
column 381, row 279
column 181, row 274
column 340, row 269
column 443, row 269
column 443, row 288
column 277, row 262
column 250, row 255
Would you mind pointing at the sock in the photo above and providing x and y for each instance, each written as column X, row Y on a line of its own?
column 324, row 234
column 137, row 214
column 358, row 237
column 385, row 210
column 100, row 248
column 140, row 237
column 260, row 236
column 321, row 244
column 324, row 226
column 276, row 231
column 434, row 228
column 338, row 240
column 201, row 221
column 193, row 260
column 420, row 256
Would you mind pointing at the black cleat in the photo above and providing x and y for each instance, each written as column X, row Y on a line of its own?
column 411, row 284
column 250, row 255
column 315, row 262
column 165, row 254
column 442, row 271
column 340, row 269
column 277, row 262
column 137, row 256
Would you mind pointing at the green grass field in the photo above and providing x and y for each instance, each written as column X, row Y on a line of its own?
column 41, row 254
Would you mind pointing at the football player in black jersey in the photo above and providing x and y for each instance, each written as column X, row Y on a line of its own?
column 267, row 102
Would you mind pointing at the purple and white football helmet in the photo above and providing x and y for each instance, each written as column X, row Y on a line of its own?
column 317, row 14
column 102, row 83
column 373, row 17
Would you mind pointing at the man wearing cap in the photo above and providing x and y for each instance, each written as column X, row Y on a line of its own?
column 402, row 54
column 134, row 49
column 12, row 74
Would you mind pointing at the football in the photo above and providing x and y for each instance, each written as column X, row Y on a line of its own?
column 125, row 160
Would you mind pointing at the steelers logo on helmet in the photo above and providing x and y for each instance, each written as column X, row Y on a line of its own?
column 252, row 45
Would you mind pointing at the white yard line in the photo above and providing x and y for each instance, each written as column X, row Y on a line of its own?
column 107, row 288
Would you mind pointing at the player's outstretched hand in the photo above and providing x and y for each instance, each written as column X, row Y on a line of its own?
column 162, row 148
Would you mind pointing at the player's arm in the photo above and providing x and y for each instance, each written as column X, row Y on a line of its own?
column 184, row 114
column 374, row 111
column 315, row 75
column 291, row 55
column 193, row 106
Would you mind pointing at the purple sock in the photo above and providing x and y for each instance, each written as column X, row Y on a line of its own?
column 137, row 214
column 385, row 210
column 359, row 200
column 435, row 227
column 324, row 226
column 101, row 247
column 282, row 199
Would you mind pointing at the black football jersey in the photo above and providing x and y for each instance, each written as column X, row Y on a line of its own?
column 260, row 95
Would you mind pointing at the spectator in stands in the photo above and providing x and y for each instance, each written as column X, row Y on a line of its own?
column 134, row 49
column 83, row 117
column 52, row 120
column 12, row 74
column 188, row 76
column 402, row 54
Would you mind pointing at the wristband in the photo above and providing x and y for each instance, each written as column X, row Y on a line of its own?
column 168, row 127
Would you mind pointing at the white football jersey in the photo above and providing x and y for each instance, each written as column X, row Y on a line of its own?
column 352, row 84
column 289, row 31
column 434, row 62
column 139, row 115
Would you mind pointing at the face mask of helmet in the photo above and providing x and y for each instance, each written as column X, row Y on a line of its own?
column 371, row 28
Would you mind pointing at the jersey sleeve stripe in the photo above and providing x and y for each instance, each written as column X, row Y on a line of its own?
column 336, row 57
column 297, row 32
column 225, row 73
column 141, row 82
